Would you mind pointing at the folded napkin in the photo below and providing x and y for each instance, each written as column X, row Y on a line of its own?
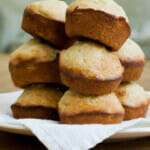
column 56, row 136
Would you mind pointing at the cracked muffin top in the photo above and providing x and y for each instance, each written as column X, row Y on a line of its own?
column 73, row 103
column 108, row 6
column 91, row 60
column 132, row 94
column 34, row 50
column 130, row 51
column 52, row 9
column 40, row 95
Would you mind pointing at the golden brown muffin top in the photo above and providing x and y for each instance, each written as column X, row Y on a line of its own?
column 73, row 103
column 34, row 49
column 130, row 51
column 91, row 60
column 108, row 6
column 132, row 95
column 52, row 9
column 40, row 95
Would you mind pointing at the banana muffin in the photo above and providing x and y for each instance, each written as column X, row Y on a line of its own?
column 100, row 20
column 34, row 62
column 38, row 101
column 87, row 67
column 46, row 20
column 134, row 100
column 133, row 60
column 76, row 108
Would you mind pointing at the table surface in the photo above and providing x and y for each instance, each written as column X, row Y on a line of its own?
column 9, row 141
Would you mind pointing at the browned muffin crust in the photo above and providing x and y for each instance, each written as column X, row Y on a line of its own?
column 89, row 68
column 92, row 117
column 38, row 101
column 133, row 60
column 93, row 86
column 135, row 112
column 39, row 112
column 77, row 108
column 33, row 71
column 97, row 25
column 134, row 100
column 133, row 70
column 50, row 30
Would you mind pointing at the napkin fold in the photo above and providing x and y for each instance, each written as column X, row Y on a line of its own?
column 56, row 136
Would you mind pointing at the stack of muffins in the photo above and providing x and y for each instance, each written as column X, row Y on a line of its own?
column 84, row 48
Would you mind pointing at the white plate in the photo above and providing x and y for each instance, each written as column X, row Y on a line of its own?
column 6, row 101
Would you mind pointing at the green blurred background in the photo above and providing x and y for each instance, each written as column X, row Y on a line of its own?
column 11, row 35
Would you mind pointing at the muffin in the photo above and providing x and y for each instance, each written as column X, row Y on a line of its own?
column 76, row 108
column 89, row 68
column 133, row 60
column 34, row 62
column 46, row 20
column 134, row 100
column 38, row 101
column 100, row 20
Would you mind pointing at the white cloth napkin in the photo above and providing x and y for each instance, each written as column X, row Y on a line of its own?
column 56, row 136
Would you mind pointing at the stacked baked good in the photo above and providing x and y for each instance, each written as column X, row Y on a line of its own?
column 35, row 65
column 85, row 47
